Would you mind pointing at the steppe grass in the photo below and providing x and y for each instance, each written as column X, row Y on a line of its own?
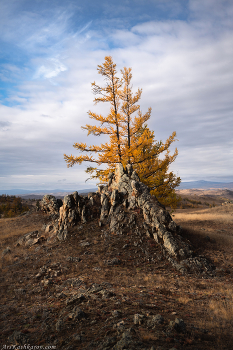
column 222, row 214
column 205, row 303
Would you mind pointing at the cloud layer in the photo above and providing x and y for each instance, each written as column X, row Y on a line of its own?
column 181, row 54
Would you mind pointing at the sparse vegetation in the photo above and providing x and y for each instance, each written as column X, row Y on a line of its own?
column 11, row 206
column 140, row 285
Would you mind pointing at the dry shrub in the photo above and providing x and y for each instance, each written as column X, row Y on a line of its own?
column 222, row 309
column 184, row 299
column 147, row 336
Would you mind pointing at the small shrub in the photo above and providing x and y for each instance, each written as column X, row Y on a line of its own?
column 11, row 206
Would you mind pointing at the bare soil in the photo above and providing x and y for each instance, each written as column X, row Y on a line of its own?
column 142, row 282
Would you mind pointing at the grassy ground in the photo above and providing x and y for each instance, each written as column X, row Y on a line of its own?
column 142, row 283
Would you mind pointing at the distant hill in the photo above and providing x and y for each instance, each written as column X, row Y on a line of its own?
column 40, row 193
column 202, row 184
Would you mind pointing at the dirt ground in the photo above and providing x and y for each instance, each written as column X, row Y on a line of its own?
column 139, row 282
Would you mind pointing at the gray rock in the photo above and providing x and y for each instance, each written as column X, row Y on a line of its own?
column 85, row 244
column 30, row 239
column 20, row 291
column 120, row 325
column 76, row 299
column 138, row 319
column 123, row 343
column 50, row 204
column 114, row 261
column 59, row 325
column 6, row 251
column 178, row 325
column 73, row 259
column 78, row 337
column 116, row 313
column 126, row 341
column 157, row 319
column 77, row 314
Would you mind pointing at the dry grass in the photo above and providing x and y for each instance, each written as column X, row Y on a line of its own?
column 13, row 227
column 184, row 300
column 139, row 286
column 221, row 214
column 222, row 309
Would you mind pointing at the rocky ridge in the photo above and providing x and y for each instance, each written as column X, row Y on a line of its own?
column 125, row 204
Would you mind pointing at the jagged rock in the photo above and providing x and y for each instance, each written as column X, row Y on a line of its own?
column 120, row 326
column 30, row 239
column 73, row 210
column 76, row 299
column 104, row 207
column 77, row 314
column 49, row 273
column 126, row 341
column 73, row 259
column 154, row 320
column 6, row 251
column 73, row 282
column 85, row 244
column 138, row 319
column 120, row 205
column 114, row 261
column 49, row 204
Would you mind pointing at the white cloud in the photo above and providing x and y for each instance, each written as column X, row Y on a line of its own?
column 185, row 70
column 50, row 69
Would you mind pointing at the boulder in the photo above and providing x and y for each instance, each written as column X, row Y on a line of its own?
column 30, row 239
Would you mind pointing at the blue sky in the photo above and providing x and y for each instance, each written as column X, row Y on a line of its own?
column 181, row 55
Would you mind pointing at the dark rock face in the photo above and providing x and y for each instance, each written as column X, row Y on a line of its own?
column 119, row 206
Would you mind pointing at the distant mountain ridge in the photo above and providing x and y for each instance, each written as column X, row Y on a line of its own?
column 55, row 192
column 202, row 184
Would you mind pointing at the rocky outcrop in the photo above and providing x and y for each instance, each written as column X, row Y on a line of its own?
column 51, row 205
column 30, row 239
column 124, row 205
column 72, row 210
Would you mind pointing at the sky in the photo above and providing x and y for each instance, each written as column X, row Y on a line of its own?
column 181, row 55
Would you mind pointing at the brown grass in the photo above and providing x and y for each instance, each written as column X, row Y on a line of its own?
column 220, row 214
column 20, row 225
column 140, row 286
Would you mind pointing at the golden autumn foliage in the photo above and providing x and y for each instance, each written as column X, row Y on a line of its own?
column 130, row 139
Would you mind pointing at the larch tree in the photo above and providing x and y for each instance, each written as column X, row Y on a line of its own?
column 130, row 139
column 154, row 171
